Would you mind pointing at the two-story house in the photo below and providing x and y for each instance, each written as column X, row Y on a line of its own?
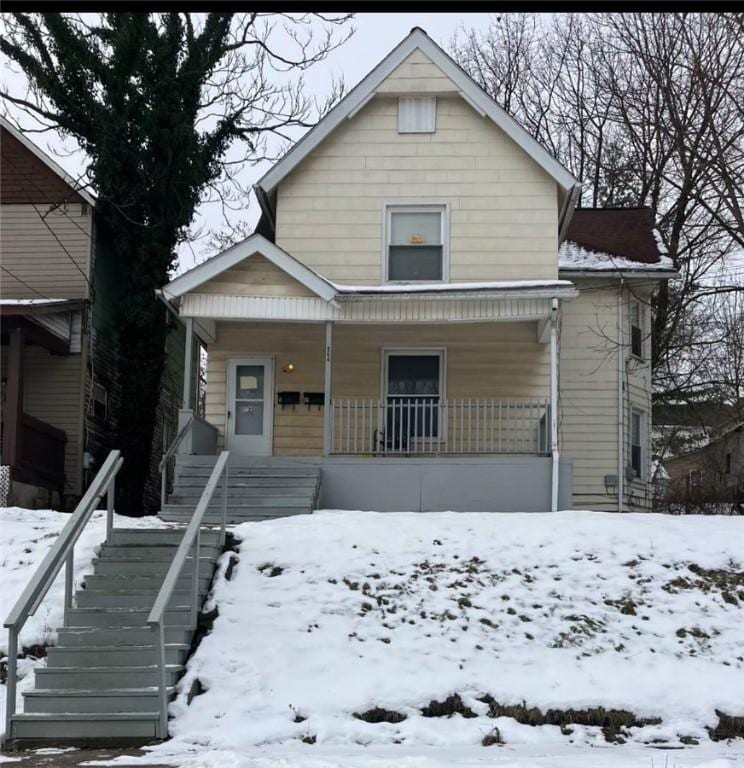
column 425, row 316
column 58, row 355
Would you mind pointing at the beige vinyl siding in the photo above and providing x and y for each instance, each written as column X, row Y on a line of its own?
column 588, row 391
column 49, row 254
column 485, row 360
column 417, row 74
column 255, row 276
column 53, row 392
column 503, row 206
column 297, row 431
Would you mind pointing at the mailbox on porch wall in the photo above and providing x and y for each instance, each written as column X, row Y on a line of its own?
column 314, row 398
column 288, row 398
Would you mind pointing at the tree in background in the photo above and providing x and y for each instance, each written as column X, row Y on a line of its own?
column 156, row 101
column 646, row 110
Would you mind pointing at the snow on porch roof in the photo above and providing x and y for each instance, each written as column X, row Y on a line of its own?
column 190, row 281
column 553, row 287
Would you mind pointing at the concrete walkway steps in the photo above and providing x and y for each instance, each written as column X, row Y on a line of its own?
column 101, row 679
column 260, row 488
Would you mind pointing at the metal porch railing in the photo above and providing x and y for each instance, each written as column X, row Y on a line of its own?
column 425, row 425
column 61, row 553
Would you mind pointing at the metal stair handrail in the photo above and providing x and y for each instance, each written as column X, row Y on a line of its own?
column 191, row 541
column 168, row 454
column 61, row 553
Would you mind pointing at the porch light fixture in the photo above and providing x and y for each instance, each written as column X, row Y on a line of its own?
column 288, row 368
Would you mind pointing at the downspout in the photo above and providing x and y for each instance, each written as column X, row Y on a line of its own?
column 554, row 406
column 620, row 411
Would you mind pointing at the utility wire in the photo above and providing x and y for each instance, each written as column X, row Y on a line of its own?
column 23, row 282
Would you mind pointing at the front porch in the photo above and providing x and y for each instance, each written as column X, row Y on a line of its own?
column 407, row 417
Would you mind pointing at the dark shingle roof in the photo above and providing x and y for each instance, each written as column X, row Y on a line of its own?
column 626, row 233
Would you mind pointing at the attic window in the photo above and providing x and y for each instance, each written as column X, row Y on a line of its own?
column 417, row 114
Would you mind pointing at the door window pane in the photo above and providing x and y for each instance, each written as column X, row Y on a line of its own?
column 413, row 375
column 249, row 382
column 249, row 418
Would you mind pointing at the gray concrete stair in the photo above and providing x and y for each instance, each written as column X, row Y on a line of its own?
column 259, row 488
column 100, row 683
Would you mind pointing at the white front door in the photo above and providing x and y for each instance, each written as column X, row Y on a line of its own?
column 250, row 405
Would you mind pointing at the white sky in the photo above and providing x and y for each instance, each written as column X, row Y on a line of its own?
column 376, row 35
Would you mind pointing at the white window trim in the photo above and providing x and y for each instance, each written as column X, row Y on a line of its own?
column 643, row 438
column 415, row 206
column 427, row 351
column 642, row 324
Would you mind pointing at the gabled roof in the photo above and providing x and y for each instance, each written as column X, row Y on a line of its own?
column 469, row 90
column 191, row 280
column 44, row 157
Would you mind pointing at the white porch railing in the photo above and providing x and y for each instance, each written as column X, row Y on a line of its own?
column 424, row 425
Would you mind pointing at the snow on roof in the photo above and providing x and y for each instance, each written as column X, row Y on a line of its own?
column 500, row 285
column 572, row 256
column 29, row 302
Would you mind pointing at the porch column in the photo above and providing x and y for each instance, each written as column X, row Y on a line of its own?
column 14, row 399
column 554, row 406
column 327, row 414
column 188, row 372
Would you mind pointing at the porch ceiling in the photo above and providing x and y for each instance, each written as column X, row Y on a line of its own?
column 518, row 302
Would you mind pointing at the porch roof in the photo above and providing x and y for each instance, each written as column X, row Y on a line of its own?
column 514, row 302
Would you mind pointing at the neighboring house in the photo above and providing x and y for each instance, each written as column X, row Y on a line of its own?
column 713, row 473
column 681, row 428
column 423, row 313
column 59, row 390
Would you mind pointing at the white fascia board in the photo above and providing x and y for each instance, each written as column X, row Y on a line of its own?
column 51, row 164
column 620, row 274
column 469, row 90
column 215, row 266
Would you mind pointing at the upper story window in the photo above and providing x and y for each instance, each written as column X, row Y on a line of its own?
column 417, row 114
column 636, row 329
column 415, row 247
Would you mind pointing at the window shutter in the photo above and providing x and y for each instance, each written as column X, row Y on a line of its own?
column 417, row 114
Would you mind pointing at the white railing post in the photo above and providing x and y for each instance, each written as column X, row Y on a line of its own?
column 328, row 383
column 223, row 528
column 162, row 683
column 69, row 570
column 10, row 683
column 195, row 583
column 110, row 496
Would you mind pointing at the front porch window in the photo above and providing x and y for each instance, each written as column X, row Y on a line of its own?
column 413, row 390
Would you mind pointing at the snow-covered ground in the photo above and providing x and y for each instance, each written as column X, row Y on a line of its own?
column 339, row 613
column 25, row 538
column 342, row 612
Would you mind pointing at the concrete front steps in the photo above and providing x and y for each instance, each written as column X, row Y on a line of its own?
column 100, row 682
column 260, row 488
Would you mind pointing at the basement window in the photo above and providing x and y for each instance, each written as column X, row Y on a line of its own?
column 417, row 114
